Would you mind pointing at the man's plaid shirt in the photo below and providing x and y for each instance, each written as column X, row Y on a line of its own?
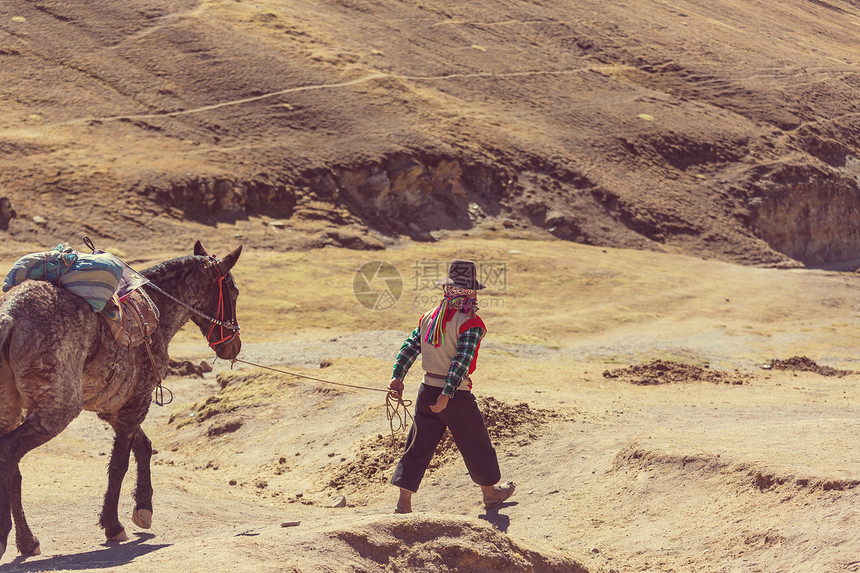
column 467, row 345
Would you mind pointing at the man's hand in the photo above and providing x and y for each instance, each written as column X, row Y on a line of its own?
column 441, row 404
column 396, row 386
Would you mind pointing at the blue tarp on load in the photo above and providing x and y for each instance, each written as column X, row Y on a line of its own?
column 94, row 278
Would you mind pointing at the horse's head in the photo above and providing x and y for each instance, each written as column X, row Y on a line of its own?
column 223, row 335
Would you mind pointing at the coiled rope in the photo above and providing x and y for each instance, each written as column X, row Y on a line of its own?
column 396, row 408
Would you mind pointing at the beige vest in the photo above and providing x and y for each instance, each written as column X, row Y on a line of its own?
column 438, row 360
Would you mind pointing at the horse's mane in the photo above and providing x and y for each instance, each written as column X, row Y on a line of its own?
column 169, row 268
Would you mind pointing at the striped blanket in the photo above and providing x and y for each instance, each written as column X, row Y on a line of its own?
column 94, row 278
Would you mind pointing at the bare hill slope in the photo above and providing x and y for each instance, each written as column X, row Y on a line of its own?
column 725, row 128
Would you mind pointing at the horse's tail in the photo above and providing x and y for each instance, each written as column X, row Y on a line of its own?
column 6, row 324
column 10, row 401
column 7, row 327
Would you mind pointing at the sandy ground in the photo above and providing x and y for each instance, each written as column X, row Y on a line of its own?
column 613, row 475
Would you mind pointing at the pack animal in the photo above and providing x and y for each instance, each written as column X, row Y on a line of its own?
column 58, row 357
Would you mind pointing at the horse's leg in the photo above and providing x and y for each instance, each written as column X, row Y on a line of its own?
column 33, row 432
column 127, row 435
column 118, row 466
column 27, row 543
column 142, row 449
column 10, row 417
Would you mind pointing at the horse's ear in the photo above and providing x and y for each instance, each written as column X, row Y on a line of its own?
column 199, row 250
column 230, row 260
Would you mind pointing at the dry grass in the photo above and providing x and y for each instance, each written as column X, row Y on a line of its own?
column 558, row 294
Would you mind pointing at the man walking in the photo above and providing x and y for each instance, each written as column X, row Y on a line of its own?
column 448, row 339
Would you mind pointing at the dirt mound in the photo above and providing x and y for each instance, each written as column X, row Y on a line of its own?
column 441, row 543
column 667, row 372
column 751, row 476
column 373, row 463
column 506, row 423
column 513, row 421
column 729, row 492
column 184, row 368
column 805, row 364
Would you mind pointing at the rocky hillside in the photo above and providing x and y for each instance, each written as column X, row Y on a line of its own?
column 721, row 128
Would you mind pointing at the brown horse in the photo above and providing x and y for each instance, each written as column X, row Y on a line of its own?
column 58, row 357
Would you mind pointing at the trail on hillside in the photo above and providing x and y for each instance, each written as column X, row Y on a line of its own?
column 660, row 128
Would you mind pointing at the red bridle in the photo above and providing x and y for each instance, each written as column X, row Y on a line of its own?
column 221, row 324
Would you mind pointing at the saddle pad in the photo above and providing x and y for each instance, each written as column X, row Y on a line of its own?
column 94, row 278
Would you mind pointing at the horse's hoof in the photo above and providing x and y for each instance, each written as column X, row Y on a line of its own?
column 142, row 518
column 34, row 549
column 121, row 536
column 37, row 550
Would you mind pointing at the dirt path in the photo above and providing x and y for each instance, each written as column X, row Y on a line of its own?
column 613, row 475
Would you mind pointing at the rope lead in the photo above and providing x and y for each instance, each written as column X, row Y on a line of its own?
column 393, row 402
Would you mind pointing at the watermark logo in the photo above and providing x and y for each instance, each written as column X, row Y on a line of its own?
column 377, row 285
column 426, row 275
column 494, row 275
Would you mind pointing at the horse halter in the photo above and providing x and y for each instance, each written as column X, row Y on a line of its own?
column 226, row 317
column 225, row 320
